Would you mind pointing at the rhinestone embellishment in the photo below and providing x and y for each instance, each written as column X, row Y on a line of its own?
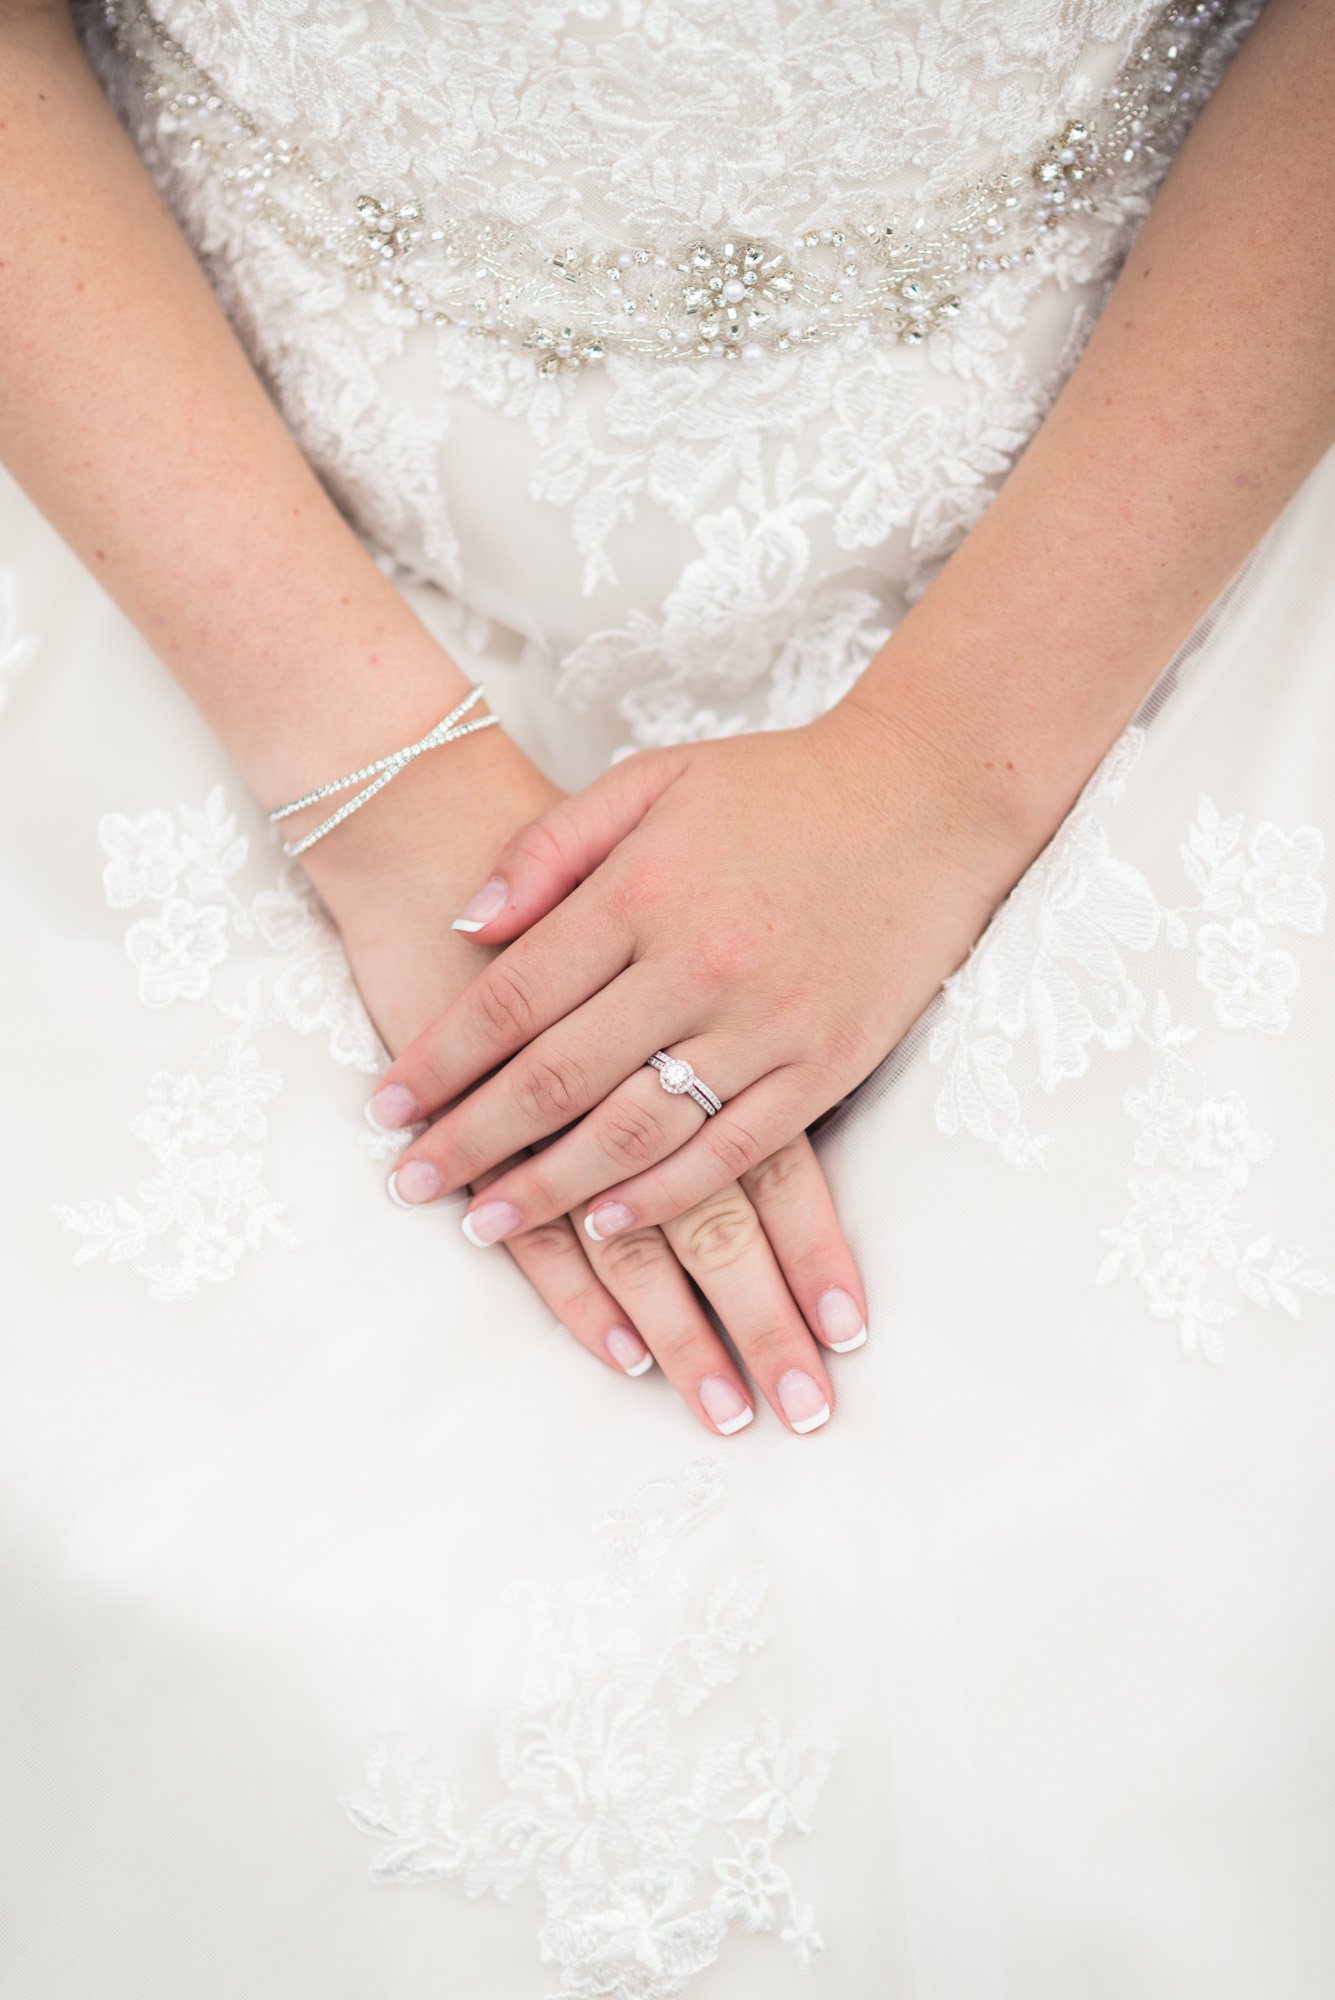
column 731, row 297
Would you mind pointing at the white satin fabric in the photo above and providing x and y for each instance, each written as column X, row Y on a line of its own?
column 1014, row 1681
column 1056, row 1590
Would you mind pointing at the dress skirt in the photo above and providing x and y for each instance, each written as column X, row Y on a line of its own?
column 361, row 1637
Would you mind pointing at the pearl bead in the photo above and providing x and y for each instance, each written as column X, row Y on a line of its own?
column 734, row 291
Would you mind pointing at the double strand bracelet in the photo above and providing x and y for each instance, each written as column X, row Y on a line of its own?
column 446, row 731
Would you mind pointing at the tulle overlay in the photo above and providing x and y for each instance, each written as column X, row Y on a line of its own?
column 362, row 1636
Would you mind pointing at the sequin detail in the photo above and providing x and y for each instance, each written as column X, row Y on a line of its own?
column 904, row 274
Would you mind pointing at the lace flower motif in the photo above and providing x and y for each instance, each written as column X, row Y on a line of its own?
column 642, row 1864
column 1055, row 975
column 1252, row 986
column 189, row 1224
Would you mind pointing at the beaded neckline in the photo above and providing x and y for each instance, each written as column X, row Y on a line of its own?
column 729, row 296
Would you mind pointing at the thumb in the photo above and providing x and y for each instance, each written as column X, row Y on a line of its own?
column 549, row 857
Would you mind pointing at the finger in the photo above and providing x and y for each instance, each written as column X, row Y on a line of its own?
column 751, row 1126
column 788, row 1193
column 538, row 982
column 554, row 1263
column 545, row 860
column 641, row 1272
column 722, row 1246
column 555, row 1080
column 635, row 1125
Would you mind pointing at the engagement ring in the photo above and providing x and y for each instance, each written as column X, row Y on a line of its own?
column 680, row 1079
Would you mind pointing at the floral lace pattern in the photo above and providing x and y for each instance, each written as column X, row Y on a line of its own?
column 793, row 507
column 731, row 297
column 192, row 1220
column 1054, row 975
column 16, row 646
column 642, row 1867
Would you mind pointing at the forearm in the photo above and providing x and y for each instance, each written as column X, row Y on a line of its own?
column 1204, row 397
column 134, row 419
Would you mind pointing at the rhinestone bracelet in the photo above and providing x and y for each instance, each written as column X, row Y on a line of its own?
column 447, row 730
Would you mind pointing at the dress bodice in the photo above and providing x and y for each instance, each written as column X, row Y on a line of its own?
column 683, row 340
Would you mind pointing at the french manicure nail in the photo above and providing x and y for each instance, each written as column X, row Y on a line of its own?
column 629, row 1351
column 392, row 1108
column 489, row 1223
column 840, row 1321
column 802, row 1401
column 413, row 1183
column 609, row 1220
column 489, row 901
column 725, row 1405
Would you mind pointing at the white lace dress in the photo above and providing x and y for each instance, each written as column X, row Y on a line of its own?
column 361, row 1636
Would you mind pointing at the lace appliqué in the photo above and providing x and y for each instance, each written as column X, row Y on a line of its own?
column 16, row 646
column 584, row 123
column 643, row 1865
column 1053, row 974
column 732, row 296
column 190, row 1222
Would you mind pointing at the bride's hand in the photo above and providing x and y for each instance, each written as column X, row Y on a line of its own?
column 767, row 1255
column 776, row 909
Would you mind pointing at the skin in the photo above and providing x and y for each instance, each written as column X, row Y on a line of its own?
column 701, row 896
column 131, row 415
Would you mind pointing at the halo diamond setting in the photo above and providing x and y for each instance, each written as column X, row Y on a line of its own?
column 676, row 1075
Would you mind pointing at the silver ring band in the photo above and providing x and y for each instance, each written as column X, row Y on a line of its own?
column 680, row 1080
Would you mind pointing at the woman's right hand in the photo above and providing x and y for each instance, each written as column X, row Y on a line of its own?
column 767, row 1255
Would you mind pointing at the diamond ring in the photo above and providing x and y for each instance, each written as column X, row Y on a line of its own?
column 680, row 1079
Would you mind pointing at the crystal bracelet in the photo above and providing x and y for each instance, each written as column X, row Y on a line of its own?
column 385, row 768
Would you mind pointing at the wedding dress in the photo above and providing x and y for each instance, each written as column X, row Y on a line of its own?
column 361, row 1636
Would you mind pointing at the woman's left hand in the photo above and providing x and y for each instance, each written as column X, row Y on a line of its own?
column 775, row 909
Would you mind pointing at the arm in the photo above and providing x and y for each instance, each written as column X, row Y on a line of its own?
column 721, row 883
column 133, row 418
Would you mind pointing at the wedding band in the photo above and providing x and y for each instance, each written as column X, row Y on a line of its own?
column 680, row 1079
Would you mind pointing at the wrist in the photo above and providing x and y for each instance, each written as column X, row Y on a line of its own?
column 1005, row 739
column 437, row 826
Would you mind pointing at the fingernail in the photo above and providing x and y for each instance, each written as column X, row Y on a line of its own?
column 480, row 909
column 725, row 1405
column 413, row 1183
column 392, row 1108
column 629, row 1351
column 609, row 1220
column 802, row 1401
column 840, row 1321
column 488, row 1224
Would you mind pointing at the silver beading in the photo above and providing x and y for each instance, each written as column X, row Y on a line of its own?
column 447, row 730
column 680, row 1080
column 733, row 296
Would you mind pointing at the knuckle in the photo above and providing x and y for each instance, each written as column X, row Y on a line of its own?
column 636, row 1259
column 507, row 1003
column 549, row 1241
column 733, row 953
column 458, row 1157
column 539, row 843
column 769, row 1343
column 633, row 1133
column 774, row 1172
column 735, row 1149
column 681, row 1347
column 718, row 1232
column 550, row 1087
